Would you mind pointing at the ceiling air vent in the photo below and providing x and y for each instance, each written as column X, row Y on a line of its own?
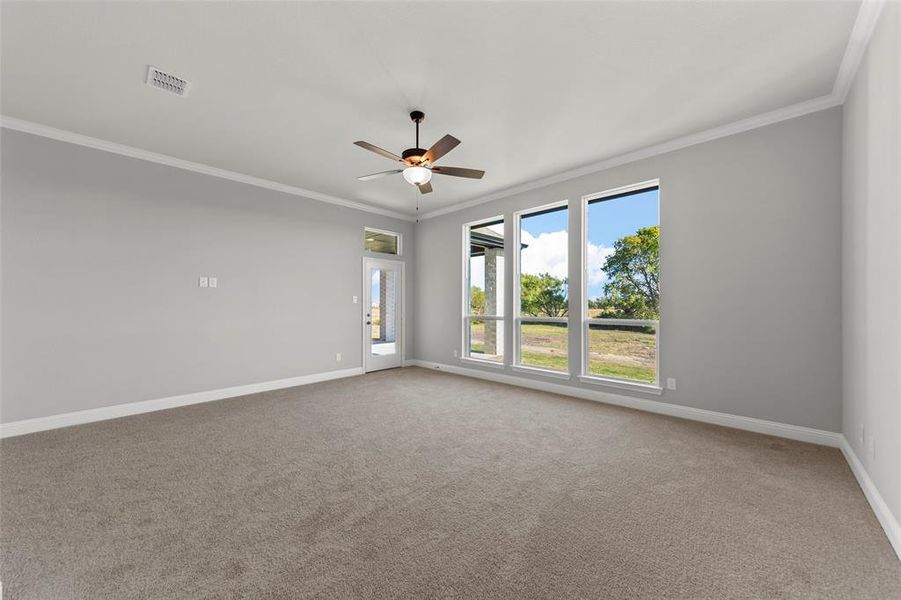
column 167, row 82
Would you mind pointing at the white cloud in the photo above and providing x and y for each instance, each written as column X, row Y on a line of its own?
column 546, row 253
column 597, row 256
column 549, row 251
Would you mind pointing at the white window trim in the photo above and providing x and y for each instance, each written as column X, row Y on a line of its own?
column 543, row 372
column 465, row 332
column 399, row 236
column 518, row 317
column 482, row 362
column 585, row 376
column 623, row 384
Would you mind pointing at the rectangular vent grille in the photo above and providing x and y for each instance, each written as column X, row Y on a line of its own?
column 167, row 82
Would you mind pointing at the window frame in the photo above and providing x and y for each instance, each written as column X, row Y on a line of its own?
column 399, row 236
column 518, row 317
column 585, row 376
column 466, row 332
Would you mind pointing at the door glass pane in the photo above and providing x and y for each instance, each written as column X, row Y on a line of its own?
column 623, row 352
column 544, row 345
column 383, row 312
column 486, row 339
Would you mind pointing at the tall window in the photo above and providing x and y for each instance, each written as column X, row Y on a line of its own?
column 541, row 294
column 622, row 291
column 483, row 319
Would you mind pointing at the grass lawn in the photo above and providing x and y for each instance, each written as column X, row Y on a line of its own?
column 612, row 352
column 376, row 321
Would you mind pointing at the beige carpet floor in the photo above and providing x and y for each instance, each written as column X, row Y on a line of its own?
column 418, row 484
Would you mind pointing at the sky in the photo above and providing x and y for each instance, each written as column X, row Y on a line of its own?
column 608, row 221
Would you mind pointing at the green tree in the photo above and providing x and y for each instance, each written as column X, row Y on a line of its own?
column 477, row 301
column 543, row 295
column 633, row 287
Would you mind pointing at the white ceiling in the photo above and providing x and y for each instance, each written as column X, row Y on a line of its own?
column 282, row 90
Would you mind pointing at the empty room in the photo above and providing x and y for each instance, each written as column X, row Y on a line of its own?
column 450, row 299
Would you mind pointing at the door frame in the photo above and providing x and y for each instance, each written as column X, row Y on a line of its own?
column 369, row 261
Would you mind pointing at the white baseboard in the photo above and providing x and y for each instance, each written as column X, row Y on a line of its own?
column 24, row 426
column 792, row 432
column 888, row 521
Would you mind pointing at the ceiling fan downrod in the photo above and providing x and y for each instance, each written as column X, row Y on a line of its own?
column 417, row 116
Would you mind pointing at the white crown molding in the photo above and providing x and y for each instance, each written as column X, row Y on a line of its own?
column 783, row 430
column 867, row 17
column 104, row 413
column 171, row 161
column 884, row 514
column 762, row 120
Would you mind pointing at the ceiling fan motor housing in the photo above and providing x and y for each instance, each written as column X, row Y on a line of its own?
column 414, row 154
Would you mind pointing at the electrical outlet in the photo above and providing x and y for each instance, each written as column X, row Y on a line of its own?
column 670, row 383
column 355, row 299
column 214, row 282
column 338, row 357
column 455, row 354
column 203, row 282
column 860, row 437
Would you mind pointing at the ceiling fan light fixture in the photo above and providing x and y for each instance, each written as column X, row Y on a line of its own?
column 418, row 163
column 417, row 175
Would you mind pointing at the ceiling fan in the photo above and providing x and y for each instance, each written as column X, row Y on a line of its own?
column 420, row 162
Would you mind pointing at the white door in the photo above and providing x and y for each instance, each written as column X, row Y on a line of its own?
column 383, row 293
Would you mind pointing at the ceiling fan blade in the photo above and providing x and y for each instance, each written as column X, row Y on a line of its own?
column 458, row 172
column 425, row 188
column 382, row 174
column 377, row 150
column 440, row 148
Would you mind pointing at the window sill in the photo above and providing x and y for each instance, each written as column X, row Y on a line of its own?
column 623, row 385
column 542, row 372
column 481, row 362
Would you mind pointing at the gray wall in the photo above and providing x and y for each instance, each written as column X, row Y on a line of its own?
column 750, row 282
column 871, row 266
column 101, row 256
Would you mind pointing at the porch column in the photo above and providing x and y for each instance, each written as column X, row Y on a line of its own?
column 491, row 298
column 383, row 305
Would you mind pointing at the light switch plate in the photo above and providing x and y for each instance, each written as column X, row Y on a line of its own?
column 214, row 282
column 204, row 282
column 670, row 383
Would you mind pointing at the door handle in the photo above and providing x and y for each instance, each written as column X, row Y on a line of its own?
column 368, row 322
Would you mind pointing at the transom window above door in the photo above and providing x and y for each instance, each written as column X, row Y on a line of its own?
column 381, row 242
